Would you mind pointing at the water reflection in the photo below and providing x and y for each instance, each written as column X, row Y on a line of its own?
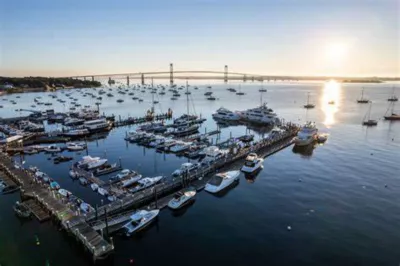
column 304, row 151
column 330, row 101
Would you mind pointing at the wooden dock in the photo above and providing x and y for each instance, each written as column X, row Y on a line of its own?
column 38, row 211
column 56, row 207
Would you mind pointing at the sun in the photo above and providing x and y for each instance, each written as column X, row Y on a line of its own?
column 336, row 52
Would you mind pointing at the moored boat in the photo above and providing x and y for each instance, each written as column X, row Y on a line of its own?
column 140, row 220
column 182, row 198
column 221, row 181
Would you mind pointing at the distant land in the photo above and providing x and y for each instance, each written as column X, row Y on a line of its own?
column 25, row 84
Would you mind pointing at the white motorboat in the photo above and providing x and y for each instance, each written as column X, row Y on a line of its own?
column 212, row 154
column 64, row 192
column 186, row 167
column 182, row 198
column 73, row 146
column 130, row 180
column 52, row 149
column 179, row 147
column 158, row 141
column 261, row 114
column 123, row 174
column 94, row 186
column 146, row 183
column 306, row 135
column 221, row 181
column 73, row 174
column 252, row 163
column 225, row 114
column 102, row 191
column 85, row 207
column 73, row 121
column 112, row 198
column 139, row 220
column 91, row 163
column 76, row 133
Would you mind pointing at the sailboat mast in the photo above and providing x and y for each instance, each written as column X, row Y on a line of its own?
column 308, row 98
column 187, row 99
column 152, row 96
column 362, row 93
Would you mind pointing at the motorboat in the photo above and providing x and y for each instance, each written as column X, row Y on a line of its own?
column 64, row 192
column 91, row 163
column 146, row 183
column 306, row 135
column 52, row 149
column 21, row 210
column 186, row 130
column 186, row 168
column 140, row 220
column 94, row 186
column 225, row 114
column 182, row 198
column 261, row 115
column 83, row 181
column 74, row 146
column 102, row 191
column 157, row 141
column 73, row 174
column 130, row 180
column 212, row 154
column 85, row 207
column 183, row 119
column 221, row 181
column 72, row 121
column 54, row 185
column 123, row 174
column 252, row 163
column 179, row 146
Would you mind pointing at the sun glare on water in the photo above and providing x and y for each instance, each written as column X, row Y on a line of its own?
column 330, row 101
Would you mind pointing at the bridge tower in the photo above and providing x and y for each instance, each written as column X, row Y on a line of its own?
column 92, row 78
column 252, row 78
column 109, row 81
column 142, row 79
column 171, row 74
column 244, row 78
column 226, row 74
column 84, row 78
column 127, row 80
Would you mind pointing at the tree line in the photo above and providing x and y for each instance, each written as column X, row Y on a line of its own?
column 38, row 82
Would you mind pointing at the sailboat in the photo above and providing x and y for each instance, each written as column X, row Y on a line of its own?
column 240, row 92
column 187, row 128
column 369, row 121
column 392, row 116
column 393, row 98
column 309, row 105
column 362, row 99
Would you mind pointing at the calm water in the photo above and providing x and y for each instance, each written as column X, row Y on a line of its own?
column 340, row 199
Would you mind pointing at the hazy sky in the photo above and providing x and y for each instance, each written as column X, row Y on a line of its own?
column 298, row 37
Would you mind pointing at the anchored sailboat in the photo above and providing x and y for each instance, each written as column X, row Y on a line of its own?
column 362, row 99
column 309, row 105
column 390, row 113
column 369, row 121
column 393, row 98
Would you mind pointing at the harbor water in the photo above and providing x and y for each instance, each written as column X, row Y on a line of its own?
column 331, row 204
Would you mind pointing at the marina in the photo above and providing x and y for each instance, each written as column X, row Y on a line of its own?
column 113, row 195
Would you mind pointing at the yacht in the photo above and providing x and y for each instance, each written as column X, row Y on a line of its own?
column 94, row 186
column 221, row 181
column 306, row 135
column 123, row 174
column 73, row 146
column 73, row 121
column 97, row 125
column 252, row 163
column 146, row 183
column 140, row 220
column 262, row 115
column 102, row 191
column 182, row 198
column 90, row 163
column 183, row 119
column 224, row 114
column 186, row 168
